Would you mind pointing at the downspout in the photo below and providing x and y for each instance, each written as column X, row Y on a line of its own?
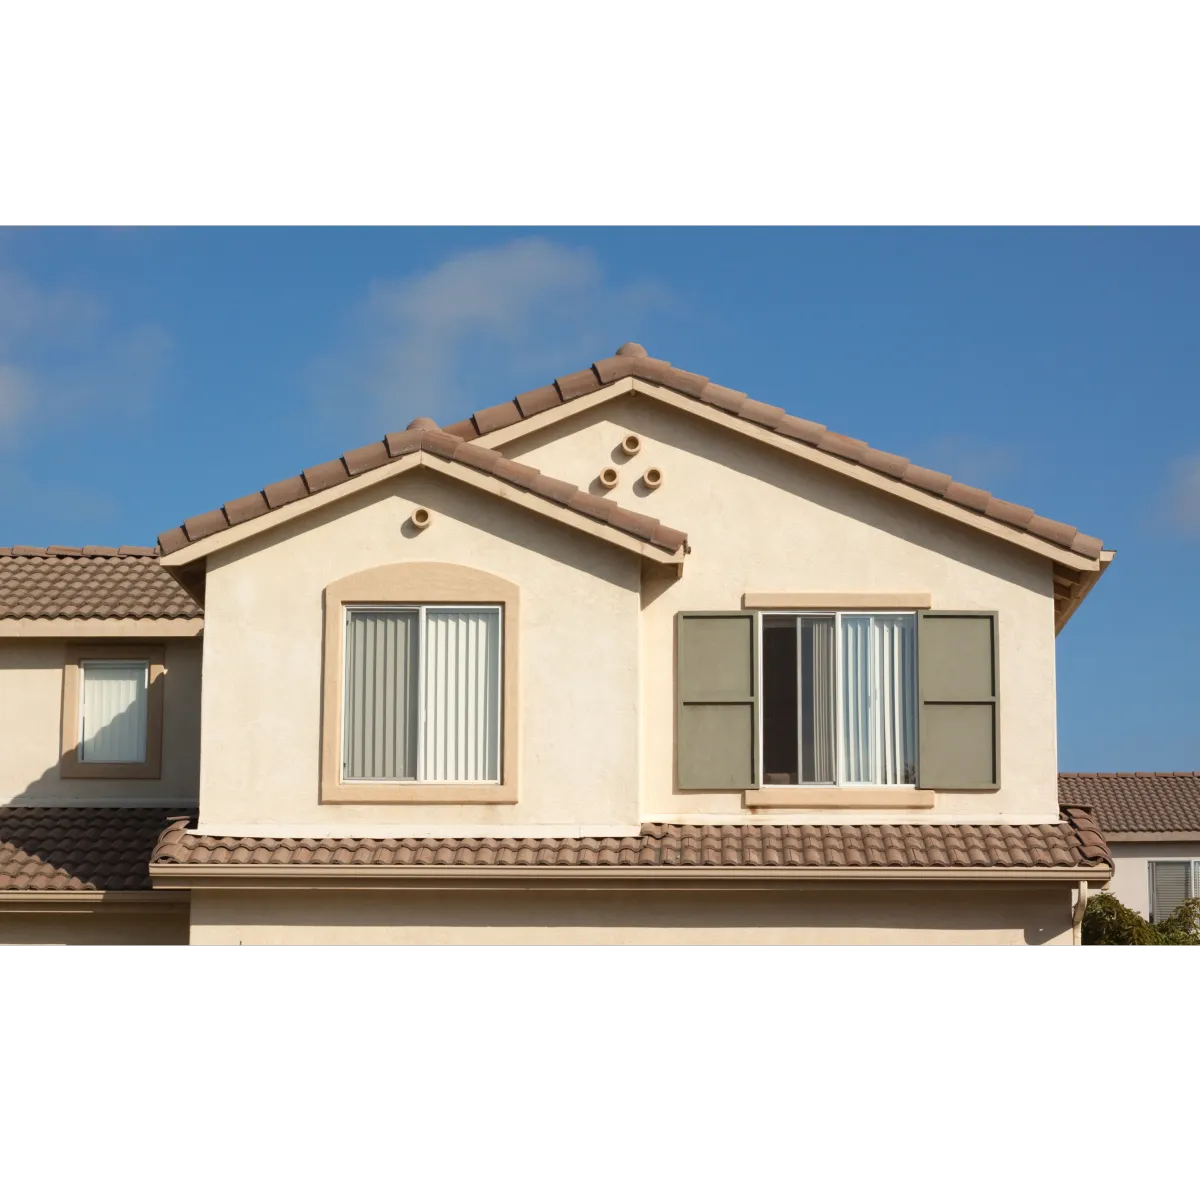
column 1077, row 916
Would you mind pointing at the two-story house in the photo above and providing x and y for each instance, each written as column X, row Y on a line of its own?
column 628, row 658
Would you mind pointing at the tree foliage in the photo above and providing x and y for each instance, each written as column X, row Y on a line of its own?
column 1107, row 922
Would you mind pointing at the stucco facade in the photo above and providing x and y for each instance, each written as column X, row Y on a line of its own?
column 31, row 715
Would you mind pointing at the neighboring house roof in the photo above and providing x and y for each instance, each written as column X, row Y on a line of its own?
column 1075, row 844
column 48, row 582
column 423, row 437
column 78, row 849
column 1138, row 806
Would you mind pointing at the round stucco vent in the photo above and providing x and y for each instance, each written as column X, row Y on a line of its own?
column 653, row 478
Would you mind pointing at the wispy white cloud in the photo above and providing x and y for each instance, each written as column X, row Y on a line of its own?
column 971, row 460
column 1182, row 497
column 63, row 357
column 439, row 342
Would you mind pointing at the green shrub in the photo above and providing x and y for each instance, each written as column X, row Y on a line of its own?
column 1107, row 922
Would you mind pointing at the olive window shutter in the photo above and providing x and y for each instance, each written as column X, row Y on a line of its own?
column 958, row 675
column 717, row 691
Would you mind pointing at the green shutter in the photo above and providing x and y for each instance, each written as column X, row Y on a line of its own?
column 717, row 689
column 958, row 675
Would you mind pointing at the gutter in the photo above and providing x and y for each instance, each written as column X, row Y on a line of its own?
column 86, row 901
column 292, row 875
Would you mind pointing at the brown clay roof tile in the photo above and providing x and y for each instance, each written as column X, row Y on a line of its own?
column 632, row 360
column 1074, row 842
column 45, row 582
column 46, row 849
column 1141, row 802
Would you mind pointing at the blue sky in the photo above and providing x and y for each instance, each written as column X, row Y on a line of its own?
column 146, row 375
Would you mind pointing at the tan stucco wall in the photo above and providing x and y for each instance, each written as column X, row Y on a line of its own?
column 1131, row 868
column 52, row 928
column 760, row 520
column 578, row 659
column 944, row 915
column 31, row 698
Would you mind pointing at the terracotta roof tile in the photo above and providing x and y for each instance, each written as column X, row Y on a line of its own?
column 80, row 849
column 365, row 458
column 1141, row 802
column 571, row 387
column 538, row 400
column 1075, row 841
column 128, row 582
column 632, row 360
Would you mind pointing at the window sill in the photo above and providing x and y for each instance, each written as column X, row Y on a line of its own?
column 71, row 768
column 419, row 793
column 839, row 797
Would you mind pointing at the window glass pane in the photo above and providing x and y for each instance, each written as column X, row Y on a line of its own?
column 781, row 751
column 817, row 699
column 113, row 712
column 1169, row 888
column 380, row 720
column 856, row 700
column 894, row 697
column 462, row 694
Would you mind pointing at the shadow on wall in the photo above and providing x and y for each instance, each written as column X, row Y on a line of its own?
column 898, row 915
column 24, row 659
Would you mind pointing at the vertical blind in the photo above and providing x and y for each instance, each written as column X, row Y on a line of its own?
column 381, row 694
column 817, row 699
column 462, row 675
column 879, row 685
column 113, row 712
column 436, row 721
column 1169, row 887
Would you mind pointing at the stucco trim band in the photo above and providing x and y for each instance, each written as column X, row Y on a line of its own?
column 355, row 877
column 837, row 600
column 92, row 627
column 69, row 765
column 85, row 901
column 419, row 583
column 839, row 797
column 1184, row 835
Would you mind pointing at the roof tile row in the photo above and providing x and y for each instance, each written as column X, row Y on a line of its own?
column 444, row 444
column 630, row 361
column 1141, row 802
column 79, row 849
column 45, row 582
column 1075, row 842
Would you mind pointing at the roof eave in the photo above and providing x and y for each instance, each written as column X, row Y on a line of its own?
column 194, row 553
column 822, row 458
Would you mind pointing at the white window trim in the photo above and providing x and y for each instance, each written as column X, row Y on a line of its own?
column 1193, row 886
column 84, row 663
column 421, row 610
column 837, row 614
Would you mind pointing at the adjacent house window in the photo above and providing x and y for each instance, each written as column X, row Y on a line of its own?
column 1171, row 883
column 113, row 711
column 422, row 694
column 839, row 698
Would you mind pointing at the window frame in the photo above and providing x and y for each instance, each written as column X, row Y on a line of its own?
column 839, row 784
column 1193, row 884
column 153, row 655
column 413, row 585
column 422, row 610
